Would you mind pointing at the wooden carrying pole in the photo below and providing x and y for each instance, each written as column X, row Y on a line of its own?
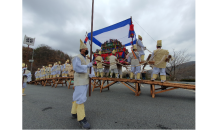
column 91, row 47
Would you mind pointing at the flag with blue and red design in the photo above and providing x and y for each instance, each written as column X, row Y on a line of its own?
column 86, row 39
column 131, row 30
column 115, row 31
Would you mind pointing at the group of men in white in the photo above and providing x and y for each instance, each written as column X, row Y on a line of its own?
column 135, row 59
column 116, row 67
column 47, row 72
column 55, row 71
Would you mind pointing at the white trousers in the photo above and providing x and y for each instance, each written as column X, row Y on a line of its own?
column 41, row 75
column 24, row 84
column 106, row 70
column 58, row 72
column 114, row 71
column 120, row 71
column 136, row 70
column 79, row 94
column 100, row 70
column 158, row 70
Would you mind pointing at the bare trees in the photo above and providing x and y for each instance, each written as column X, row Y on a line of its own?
column 176, row 67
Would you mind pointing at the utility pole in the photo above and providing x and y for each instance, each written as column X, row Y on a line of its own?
column 32, row 64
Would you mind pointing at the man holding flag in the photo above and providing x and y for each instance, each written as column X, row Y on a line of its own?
column 81, row 82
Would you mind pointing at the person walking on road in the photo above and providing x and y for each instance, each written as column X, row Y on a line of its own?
column 81, row 83
column 27, row 76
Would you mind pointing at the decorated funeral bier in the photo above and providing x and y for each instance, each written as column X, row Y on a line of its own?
column 107, row 48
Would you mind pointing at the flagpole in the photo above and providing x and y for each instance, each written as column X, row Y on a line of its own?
column 132, row 37
column 91, row 47
column 132, row 43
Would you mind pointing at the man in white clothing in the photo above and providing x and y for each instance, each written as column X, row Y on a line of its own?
column 58, row 70
column 140, row 48
column 161, row 57
column 37, row 74
column 113, row 64
column 134, row 60
column 26, row 75
column 81, row 82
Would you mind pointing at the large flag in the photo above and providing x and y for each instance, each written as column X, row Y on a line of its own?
column 119, row 31
column 29, row 41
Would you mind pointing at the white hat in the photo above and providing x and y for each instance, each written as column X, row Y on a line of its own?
column 82, row 45
column 159, row 42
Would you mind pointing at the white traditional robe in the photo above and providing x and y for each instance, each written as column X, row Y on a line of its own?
column 40, row 73
column 37, row 73
column 140, row 44
column 113, row 64
column 52, row 70
column 119, row 67
column 156, row 70
column 135, row 69
column 80, row 92
column 26, row 79
column 58, row 69
column 106, row 69
column 55, row 69
column 29, row 78
column 65, row 68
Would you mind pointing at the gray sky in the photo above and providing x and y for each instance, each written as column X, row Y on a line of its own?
column 62, row 23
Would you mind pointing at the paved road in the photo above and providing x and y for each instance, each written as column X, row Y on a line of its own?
column 117, row 108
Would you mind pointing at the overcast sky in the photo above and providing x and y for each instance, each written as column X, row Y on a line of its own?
column 62, row 23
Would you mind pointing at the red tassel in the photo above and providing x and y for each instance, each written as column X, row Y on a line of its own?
column 131, row 27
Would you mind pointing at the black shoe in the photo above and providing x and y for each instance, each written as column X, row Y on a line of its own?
column 84, row 124
column 74, row 116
